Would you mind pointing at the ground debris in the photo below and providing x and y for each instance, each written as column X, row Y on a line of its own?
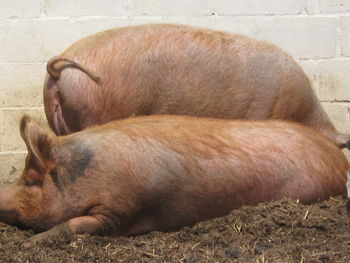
column 280, row 231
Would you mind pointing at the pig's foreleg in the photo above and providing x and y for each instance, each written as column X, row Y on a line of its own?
column 77, row 225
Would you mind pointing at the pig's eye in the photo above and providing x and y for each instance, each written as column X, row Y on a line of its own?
column 28, row 182
column 53, row 173
column 32, row 178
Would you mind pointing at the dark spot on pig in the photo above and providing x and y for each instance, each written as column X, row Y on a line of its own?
column 81, row 162
column 74, row 160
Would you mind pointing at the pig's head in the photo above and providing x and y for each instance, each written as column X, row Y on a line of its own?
column 28, row 202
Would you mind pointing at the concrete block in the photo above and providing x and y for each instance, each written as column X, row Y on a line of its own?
column 35, row 40
column 21, row 85
column 256, row 7
column 237, row 24
column 11, row 138
column 11, row 167
column 345, row 36
column 1, row 129
column 169, row 7
column 56, row 36
column 339, row 113
column 94, row 25
column 301, row 36
column 89, row 26
column 330, row 78
column 19, row 41
column 102, row 8
column 312, row 7
column 310, row 68
column 334, row 6
column 79, row 8
column 19, row 9
column 203, row 21
column 56, row 8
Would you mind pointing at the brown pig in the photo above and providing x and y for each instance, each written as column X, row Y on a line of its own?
column 181, row 70
column 348, row 185
column 164, row 172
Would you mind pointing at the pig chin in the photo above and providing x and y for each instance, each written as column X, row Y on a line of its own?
column 10, row 217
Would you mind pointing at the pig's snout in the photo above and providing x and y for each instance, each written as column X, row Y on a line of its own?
column 8, row 214
column 8, row 217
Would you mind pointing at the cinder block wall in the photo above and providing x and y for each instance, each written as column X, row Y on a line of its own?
column 315, row 32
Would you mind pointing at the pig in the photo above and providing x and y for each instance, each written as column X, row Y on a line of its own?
column 163, row 172
column 180, row 70
column 348, row 192
column 348, row 185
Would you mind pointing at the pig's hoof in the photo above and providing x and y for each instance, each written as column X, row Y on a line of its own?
column 35, row 240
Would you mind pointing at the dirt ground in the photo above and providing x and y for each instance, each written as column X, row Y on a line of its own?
column 280, row 231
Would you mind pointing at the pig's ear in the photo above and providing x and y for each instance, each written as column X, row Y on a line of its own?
column 39, row 143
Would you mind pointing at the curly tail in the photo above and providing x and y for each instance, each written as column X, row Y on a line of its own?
column 55, row 72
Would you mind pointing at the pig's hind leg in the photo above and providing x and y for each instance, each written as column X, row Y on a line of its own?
column 77, row 225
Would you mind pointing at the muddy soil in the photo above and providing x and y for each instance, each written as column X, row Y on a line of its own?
column 280, row 231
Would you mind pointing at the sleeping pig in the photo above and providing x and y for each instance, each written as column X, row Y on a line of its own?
column 181, row 70
column 164, row 172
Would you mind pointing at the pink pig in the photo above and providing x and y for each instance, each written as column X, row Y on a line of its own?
column 181, row 70
column 164, row 172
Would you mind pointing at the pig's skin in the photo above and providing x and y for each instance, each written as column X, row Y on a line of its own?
column 348, row 184
column 163, row 172
column 181, row 70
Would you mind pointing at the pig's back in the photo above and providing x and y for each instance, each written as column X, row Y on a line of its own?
column 269, row 153
column 189, row 71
